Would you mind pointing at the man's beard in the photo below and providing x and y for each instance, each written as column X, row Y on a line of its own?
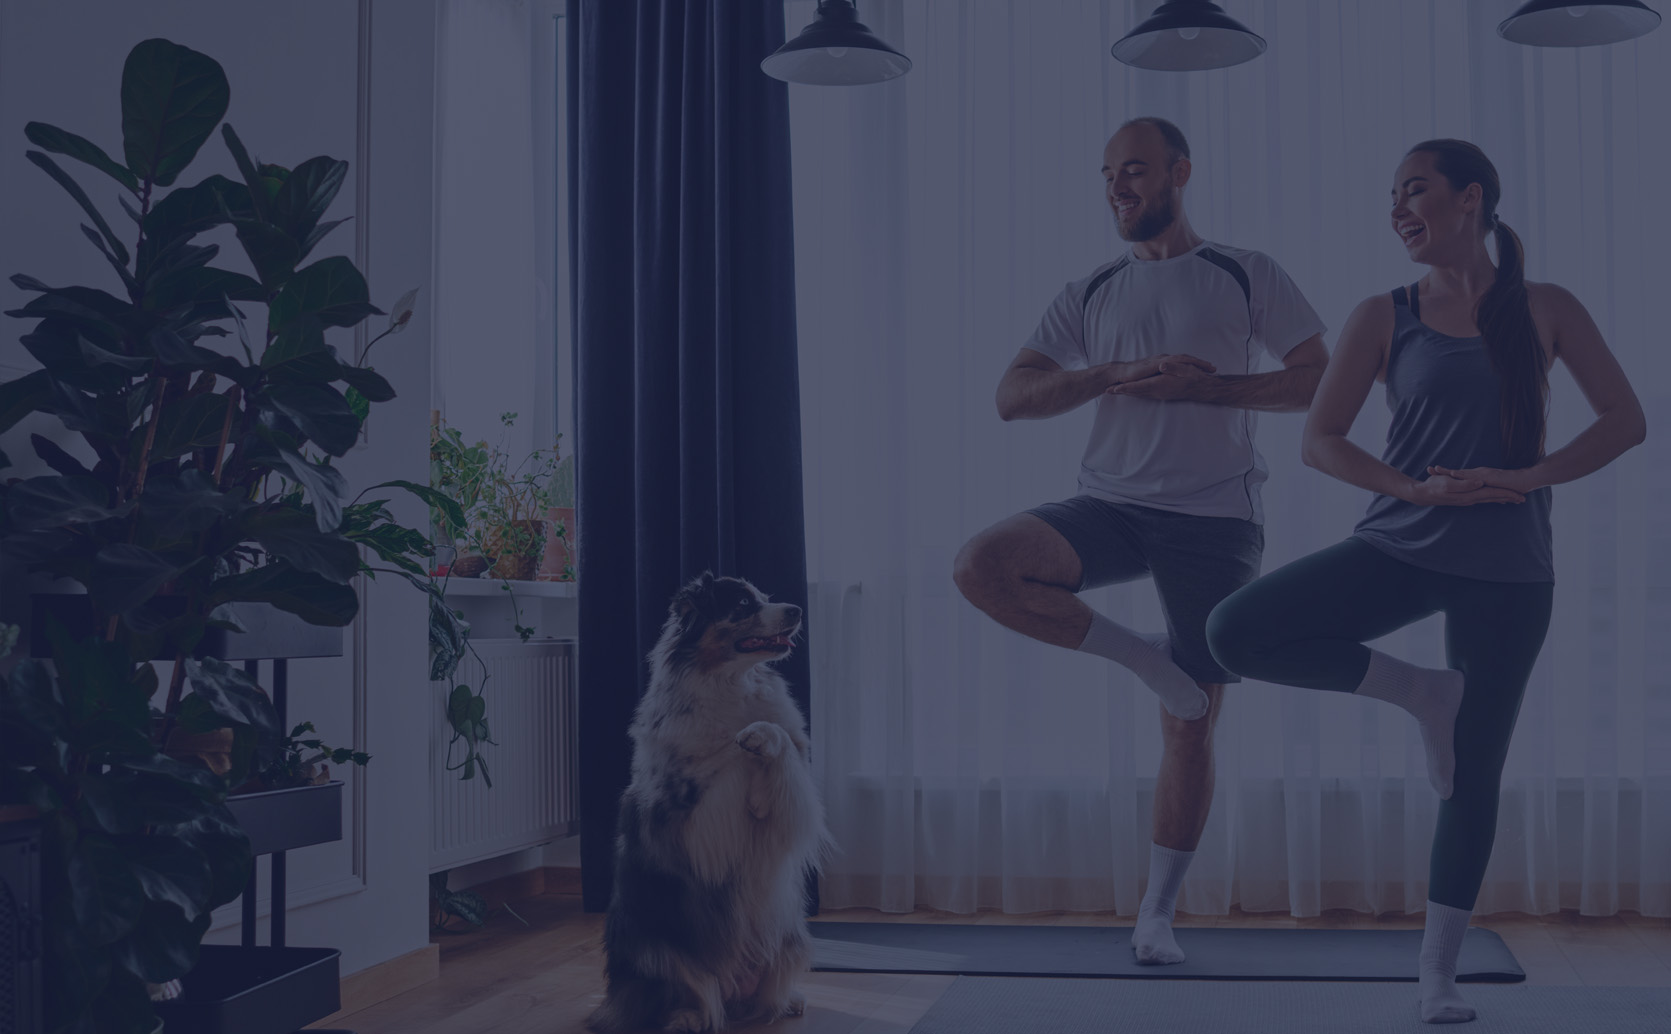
column 1153, row 222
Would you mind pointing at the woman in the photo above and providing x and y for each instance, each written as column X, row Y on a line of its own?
column 1460, row 520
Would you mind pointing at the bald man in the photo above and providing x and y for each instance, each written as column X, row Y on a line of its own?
column 1165, row 342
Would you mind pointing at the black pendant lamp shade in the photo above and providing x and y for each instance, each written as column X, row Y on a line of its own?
column 835, row 50
column 1187, row 36
column 1578, row 23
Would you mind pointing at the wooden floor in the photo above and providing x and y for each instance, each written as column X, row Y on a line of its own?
column 545, row 977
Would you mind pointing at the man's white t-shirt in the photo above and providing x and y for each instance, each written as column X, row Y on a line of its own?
column 1187, row 457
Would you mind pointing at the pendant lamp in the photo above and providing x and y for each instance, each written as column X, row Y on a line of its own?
column 835, row 50
column 1187, row 36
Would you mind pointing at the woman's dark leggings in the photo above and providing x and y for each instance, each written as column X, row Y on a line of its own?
column 1305, row 624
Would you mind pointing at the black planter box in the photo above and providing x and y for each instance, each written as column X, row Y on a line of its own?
column 282, row 820
column 268, row 631
column 235, row 990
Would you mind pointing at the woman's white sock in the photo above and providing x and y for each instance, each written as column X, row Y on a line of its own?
column 1441, row 1002
column 1433, row 696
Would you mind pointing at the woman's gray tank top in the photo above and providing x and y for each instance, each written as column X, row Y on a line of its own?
column 1443, row 394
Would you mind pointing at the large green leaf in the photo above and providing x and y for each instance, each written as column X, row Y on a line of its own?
column 320, row 412
column 299, row 353
column 271, row 251
column 323, row 484
column 188, row 211
column 232, row 694
column 432, row 496
column 163, row 944
column 23, row 395
column 205, row 783
column 260, row 200
column 55, row 457
column 185, row 505
column 171, row 872
column 110, row 802
column 175, row 352
column 105, row 895
column 65, row 180
column 217, row 838
column 52, row 502
column 51, row 138
column 172, row 99
column 97, row 314
column 307, row 194
column 295, row 536
column 56, row 345
column 194, row 423
column 308, row 596
column 126, row 575
column 331, row 290
column 105, row 706
column 30, row 696
column 367, row 382
column 195, row 285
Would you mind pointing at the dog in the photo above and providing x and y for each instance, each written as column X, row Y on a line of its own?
column 719, row 829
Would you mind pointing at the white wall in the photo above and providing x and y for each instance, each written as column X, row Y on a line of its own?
column 355, row 81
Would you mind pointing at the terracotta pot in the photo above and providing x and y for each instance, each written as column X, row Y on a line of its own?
column 469, row 566
column 559, row 546
column 517, row 567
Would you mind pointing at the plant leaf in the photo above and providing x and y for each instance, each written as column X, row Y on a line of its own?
column 64, row 180
column 306, row 195
column 271, row 251
column 295, row 536
column 308, row 596
column 126, row 575
column 331, row 290
column 105, row 896
column 232, row 694
column 367, row 382
column 23, row 395
column 170, row 872
column 217, row 837
column 52, row 502
column 163, row 944
column 323, row 484
column 320, row 412
column 51, row 138
column 259, row 200
column 172, row 99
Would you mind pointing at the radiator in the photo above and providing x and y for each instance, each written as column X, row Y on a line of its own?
column 531, row 710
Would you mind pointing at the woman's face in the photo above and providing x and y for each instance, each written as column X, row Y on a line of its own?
column 1432, row 220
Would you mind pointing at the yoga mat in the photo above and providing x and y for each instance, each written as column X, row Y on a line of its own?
column 1000, row 1005
column 1212, row 953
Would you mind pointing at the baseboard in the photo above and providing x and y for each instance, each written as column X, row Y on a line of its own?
column 385, row 980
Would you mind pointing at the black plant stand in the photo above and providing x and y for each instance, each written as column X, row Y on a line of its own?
column 274, row 989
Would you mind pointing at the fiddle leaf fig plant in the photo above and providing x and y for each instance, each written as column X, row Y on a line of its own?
column 202, row 407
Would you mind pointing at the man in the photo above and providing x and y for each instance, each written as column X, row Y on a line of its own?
column 1164, row 340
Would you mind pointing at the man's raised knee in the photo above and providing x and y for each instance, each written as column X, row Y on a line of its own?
column 974, row 570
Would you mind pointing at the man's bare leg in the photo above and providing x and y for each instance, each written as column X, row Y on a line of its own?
column 1023, row 574
column 1183, row 796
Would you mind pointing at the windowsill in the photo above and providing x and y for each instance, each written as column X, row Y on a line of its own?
column 496, row 587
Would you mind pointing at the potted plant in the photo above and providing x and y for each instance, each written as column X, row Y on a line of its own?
column 508, row 521
column 560, row 549
column 203, row 483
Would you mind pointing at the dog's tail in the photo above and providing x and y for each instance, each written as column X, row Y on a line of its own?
column 632, row 1005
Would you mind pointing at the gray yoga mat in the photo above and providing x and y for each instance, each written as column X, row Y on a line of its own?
column 1001, row 1005
column 1213, row 953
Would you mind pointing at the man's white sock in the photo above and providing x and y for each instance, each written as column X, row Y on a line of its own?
column 1152, row 938
column 1441, row 1002
column 1433, row 696
column 1149, row 658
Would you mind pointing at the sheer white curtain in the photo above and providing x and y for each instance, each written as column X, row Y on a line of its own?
column 968, row 767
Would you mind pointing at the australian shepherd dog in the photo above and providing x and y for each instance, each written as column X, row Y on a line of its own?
column 719, row 829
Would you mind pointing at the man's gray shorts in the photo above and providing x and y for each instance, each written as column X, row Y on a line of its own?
column 1195, row 561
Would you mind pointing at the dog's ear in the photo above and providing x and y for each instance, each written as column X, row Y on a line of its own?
column 688, row 600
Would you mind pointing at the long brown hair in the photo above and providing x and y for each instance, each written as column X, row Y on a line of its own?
column 1504, row 313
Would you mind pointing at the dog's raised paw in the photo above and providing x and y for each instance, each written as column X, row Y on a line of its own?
column 685, row 1021
column 795, row 1005
column 763, row 738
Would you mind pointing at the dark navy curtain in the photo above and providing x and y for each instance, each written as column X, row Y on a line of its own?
column 684, row 327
